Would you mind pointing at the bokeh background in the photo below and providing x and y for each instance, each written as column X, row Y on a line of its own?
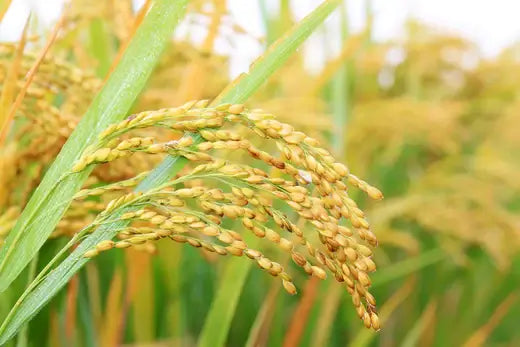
column 420, row 98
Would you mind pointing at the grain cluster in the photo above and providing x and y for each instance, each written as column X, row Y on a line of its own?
column 294, row 195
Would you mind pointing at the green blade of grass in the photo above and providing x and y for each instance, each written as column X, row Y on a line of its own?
column 33, row 300
column 222, row 310
column 23, row 337
column 39, row 219
column 100, row 46
column 408, row 266
column 414, row 334
column 218, row 321
column 85, row 314
column 53, row 195
column 276, row 55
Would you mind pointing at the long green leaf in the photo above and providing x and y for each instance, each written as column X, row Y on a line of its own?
column 238, row 92
column 52, row 197
column 408, row 266
column 221, row 313
column 223, row 306
column 54, row 194
column 100, row 46
column 277, row 54
column 23, row 337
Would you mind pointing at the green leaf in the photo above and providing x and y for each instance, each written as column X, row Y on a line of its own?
column 276, row 55
column 100, row 46
column 408, row 266
column 54, row 194
column 218, row 322
column 84, row 312
column 23, row 337
column 223, row 307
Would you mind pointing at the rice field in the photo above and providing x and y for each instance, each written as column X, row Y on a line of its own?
column 149, row 199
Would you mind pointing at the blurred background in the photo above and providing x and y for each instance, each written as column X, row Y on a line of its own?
column 420, row 98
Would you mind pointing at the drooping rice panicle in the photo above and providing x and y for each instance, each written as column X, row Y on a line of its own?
column 191, row 208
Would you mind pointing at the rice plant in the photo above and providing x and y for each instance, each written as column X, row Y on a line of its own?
column 140, row 184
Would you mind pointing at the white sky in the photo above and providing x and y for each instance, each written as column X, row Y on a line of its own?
column 492, row 24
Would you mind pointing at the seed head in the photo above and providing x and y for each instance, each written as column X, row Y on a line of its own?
column 334, row 235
